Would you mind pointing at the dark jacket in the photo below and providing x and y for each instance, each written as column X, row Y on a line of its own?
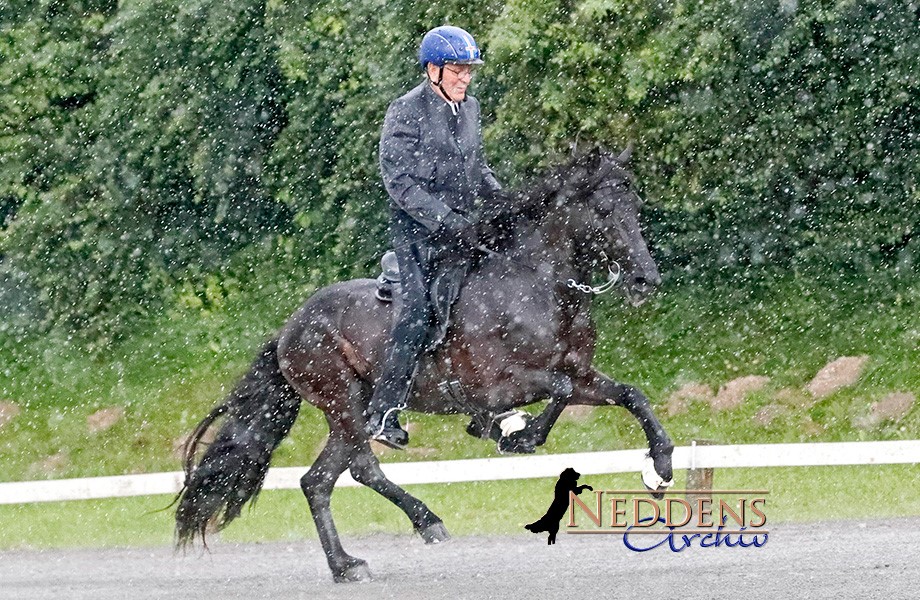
column 432, row 161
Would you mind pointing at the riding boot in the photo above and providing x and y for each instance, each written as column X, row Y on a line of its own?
column 390, row 395
column 409, row 335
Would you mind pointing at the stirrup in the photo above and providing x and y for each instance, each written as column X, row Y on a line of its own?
column 388, row 431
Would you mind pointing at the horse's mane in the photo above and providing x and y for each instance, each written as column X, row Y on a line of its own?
column 529, row 204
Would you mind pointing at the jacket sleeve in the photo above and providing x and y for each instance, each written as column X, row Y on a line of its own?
column 406, row 171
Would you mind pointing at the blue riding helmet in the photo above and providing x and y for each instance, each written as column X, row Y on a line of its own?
column 447, row 44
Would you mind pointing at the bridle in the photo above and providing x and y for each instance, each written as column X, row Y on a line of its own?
column 614, row 270
column 613, row 278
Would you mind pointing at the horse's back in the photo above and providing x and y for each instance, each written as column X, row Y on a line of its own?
column 339, row 330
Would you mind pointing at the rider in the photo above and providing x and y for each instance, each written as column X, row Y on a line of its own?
column 434, row 171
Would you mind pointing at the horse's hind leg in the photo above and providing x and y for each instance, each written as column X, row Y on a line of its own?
column 365, row 468
column 317, row 486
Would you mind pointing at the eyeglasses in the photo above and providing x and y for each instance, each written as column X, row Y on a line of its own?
column 462, row 71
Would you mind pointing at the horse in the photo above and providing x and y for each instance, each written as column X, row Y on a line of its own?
column 521, row 332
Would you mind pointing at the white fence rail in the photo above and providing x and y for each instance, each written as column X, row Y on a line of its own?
column 490, row 469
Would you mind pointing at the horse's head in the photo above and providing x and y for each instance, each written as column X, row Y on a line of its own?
column 590, row 206
column 615, row 228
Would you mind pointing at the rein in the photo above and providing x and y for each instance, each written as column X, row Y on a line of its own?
column 614, row 270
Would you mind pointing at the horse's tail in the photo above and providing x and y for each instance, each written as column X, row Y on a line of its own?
column 259, row 414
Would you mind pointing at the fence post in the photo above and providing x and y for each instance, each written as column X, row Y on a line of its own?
column 699, row 480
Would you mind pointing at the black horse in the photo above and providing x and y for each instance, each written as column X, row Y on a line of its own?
column 521, row 332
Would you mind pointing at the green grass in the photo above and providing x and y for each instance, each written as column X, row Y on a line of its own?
column 181, row 363
column 503, row 507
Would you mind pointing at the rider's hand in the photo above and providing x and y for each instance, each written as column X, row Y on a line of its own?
column 500, row 201
column 491, row 185
column 460, row 231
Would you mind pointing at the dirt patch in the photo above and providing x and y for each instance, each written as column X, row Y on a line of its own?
column 841, row 373
column 769, row 413
column 811, row 428
column 680, row 400
column 422, row 452
column 50, row 465
column 578, row 413
column 104, row 419
column 892, row 407
column 732, row 394
column 414, row 451
column 8, row 412
column 794, row 398
column 179, row 443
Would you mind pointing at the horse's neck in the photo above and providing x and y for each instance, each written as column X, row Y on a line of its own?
column 549, row 250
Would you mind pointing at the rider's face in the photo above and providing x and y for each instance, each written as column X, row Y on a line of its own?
column 455, row 79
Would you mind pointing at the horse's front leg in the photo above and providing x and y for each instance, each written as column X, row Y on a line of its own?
column 596, row 389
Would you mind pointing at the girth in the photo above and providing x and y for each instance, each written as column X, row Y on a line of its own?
column 484, row 424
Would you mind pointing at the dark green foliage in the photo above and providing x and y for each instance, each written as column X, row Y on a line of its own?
column 136, row 144
column 144, row 143
column 51, row 65
column 768, row 132
column 796, row 140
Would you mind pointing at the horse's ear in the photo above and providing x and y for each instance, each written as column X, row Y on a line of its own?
column 624, row 157
column 574, row 145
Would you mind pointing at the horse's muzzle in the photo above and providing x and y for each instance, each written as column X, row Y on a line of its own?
column 638, row 289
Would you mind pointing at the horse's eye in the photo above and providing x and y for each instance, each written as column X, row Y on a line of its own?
column 604, row 206
column 605, row 198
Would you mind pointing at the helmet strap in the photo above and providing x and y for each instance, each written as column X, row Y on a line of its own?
column 454, row 106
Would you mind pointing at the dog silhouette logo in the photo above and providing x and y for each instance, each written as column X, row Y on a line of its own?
column 568, row 482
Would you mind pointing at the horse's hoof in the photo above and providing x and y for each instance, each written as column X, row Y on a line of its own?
column 509, row 445
column 356, row 573
column 657, row 494
column 653, row 481
column 435, row 533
